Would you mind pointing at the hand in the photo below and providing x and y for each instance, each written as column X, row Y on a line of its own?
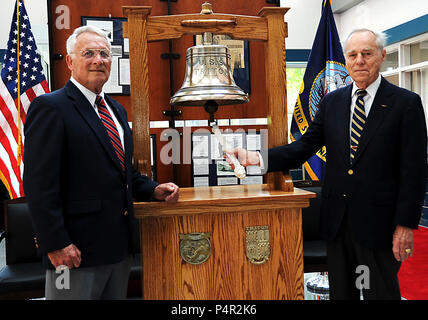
column 168, row 192
column 402, row 240
column 69, row 256
column 245, row 157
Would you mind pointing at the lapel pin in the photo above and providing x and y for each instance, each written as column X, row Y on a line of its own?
column 384, row 105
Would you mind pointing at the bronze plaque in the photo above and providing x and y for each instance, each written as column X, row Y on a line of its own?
column 195, row 248
column 257, row 243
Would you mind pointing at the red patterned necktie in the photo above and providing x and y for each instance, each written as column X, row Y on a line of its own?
column 111, row 128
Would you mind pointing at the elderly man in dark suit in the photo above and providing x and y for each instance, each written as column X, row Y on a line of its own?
column 376, row 140
column 79, row 181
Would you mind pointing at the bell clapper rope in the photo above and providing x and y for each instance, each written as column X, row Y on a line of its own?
column 239, row 169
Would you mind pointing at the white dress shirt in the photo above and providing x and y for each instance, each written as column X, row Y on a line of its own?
column 91, row 96
column 368, row 98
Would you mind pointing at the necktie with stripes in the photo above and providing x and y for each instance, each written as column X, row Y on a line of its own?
column 111, row 128
column 358, row 122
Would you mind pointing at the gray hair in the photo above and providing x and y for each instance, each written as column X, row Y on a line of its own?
column 71, row 41
column 381, row 38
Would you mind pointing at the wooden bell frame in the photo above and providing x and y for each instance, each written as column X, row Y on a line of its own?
column 268, row 26
column 226, row 213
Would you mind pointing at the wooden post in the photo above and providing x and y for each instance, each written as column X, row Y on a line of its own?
column 140, row 103
column 276, row 89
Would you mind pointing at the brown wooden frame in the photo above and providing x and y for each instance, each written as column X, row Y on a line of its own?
column 224, row 212
column 268, row 27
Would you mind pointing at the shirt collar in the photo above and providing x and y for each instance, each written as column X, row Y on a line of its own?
column 91, row 96
column 371, row 89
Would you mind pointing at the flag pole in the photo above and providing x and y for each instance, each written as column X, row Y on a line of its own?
column 19, row 157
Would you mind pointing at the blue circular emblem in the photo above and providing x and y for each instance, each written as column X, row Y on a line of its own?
column 332, row 77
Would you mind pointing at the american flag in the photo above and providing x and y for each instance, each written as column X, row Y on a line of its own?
column 22, row 80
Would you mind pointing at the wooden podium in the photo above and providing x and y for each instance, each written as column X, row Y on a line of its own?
column 231, row 242
column 225, row 213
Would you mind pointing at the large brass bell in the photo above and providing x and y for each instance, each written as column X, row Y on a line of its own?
column 208, row 77
column 209, row 82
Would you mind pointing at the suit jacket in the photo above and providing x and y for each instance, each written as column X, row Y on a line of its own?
column 75, row 187
column 385, row 185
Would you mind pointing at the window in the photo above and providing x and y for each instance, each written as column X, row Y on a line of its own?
column 391, row 61
column 406, row 65
column 295, row 72
column 419, row 52
column 393, row 79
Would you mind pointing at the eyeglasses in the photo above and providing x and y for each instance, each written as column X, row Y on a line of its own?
column 91, row 53
column 366, row 54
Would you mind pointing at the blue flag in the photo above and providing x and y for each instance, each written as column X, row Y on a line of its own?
column 324, row 73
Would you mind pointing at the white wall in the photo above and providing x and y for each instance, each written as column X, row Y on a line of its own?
column 303, row 19
column 37, row 12
column 38, row 16
column 379, row 15
column 304, row 15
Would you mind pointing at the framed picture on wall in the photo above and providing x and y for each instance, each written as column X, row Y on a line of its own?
column 239, row 58
column 118, row 83
column 209, row 168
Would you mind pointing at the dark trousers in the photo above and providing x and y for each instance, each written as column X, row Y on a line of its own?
column 352, row 268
